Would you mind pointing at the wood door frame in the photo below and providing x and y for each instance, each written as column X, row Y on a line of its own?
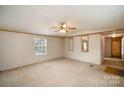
column 120, row 46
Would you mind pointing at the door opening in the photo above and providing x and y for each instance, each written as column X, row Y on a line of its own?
column 113, row 47
column 116, row 47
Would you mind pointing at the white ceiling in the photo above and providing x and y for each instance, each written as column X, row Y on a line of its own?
column 39, row 19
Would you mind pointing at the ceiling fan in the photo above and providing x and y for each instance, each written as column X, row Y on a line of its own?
column 64, row 28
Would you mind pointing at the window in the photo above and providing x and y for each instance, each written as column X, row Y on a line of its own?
column 84, row 43
column 40, row 46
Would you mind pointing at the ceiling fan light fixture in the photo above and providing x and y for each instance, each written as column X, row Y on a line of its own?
column 64, row 28
column 63, row 31
column 64, row 25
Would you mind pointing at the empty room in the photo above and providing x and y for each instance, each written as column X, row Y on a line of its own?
column 61, row 45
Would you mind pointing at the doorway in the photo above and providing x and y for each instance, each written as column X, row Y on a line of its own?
column 116, row 47
column 113, row 47
column 113, row 50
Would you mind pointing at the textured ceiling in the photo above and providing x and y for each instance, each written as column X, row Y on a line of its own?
column 39, row 19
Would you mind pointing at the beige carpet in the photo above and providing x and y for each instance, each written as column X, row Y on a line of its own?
column 60, row 72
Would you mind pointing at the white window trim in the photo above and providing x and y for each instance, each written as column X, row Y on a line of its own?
column 40, row 54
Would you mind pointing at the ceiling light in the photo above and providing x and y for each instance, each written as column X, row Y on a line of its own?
column 64, row 25
column 63, row 31
column 113, row 35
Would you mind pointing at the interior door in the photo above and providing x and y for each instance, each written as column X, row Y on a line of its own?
column 116, row 47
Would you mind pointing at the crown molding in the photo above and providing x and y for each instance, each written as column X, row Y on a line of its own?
column 120, row 30
column 14, row 31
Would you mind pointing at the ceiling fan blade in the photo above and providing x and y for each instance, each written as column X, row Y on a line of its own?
column 55, row 27
column 72, row 28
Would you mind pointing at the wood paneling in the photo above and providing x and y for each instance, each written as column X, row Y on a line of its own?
column 115, row 71
column 116, row 47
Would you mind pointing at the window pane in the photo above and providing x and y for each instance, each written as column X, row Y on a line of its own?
column 40, row 46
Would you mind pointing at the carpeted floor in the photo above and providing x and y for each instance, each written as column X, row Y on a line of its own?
column 60, row 72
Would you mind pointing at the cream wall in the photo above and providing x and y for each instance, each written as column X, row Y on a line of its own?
column 18, row 50
column 94, row 54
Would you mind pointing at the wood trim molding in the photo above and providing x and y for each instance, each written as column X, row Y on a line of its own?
column 102, row 32
column 13, row 31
